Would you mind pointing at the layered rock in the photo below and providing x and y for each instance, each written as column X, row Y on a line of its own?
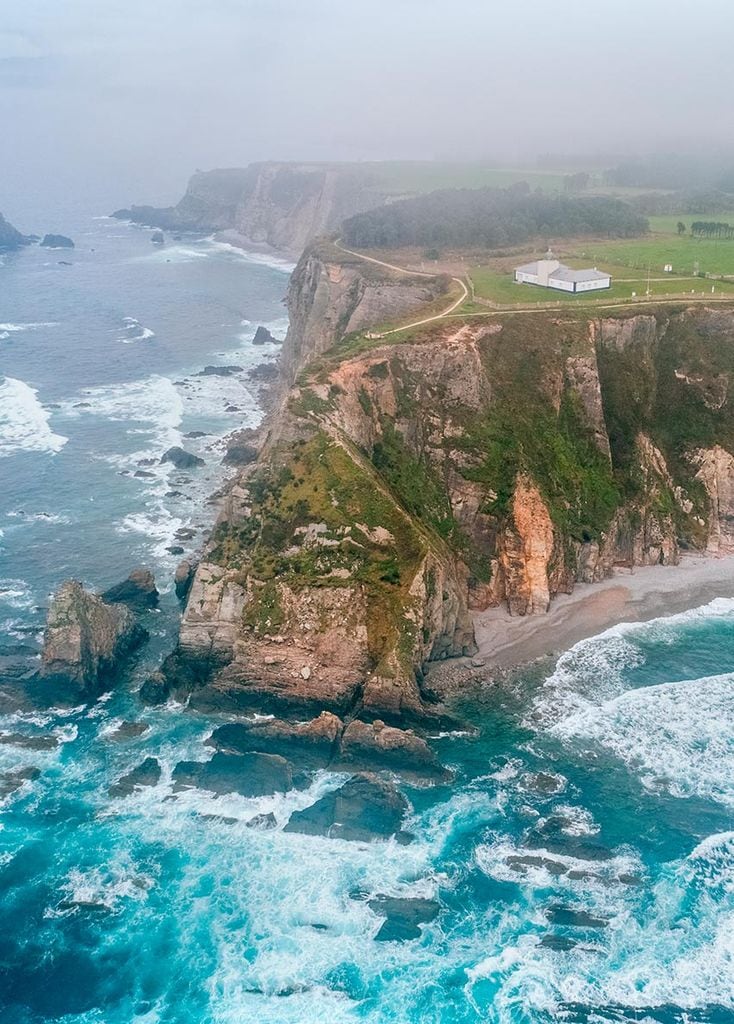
column 84, row 643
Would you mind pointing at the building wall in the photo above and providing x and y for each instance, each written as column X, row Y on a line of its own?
column 593, row 286
column 560, row 286
column 524, row 278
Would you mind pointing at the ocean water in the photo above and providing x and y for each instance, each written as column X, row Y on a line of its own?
column 583, row 857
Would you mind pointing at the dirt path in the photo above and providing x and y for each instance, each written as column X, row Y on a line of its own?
column 413, row 273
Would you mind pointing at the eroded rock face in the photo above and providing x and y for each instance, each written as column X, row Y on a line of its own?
column 716, row 473
column 381, row 746
column 84, row 643
column 527, row 551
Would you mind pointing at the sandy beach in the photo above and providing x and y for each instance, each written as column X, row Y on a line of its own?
column 631, row 595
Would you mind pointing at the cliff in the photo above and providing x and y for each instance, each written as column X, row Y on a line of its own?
column 282, row 205
column 407, row 480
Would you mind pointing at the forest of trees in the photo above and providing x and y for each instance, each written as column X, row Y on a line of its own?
column 490, row 218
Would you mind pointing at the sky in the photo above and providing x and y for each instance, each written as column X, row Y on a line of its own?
column 128, row 97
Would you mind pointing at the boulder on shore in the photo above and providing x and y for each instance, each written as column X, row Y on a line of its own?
column 363, row 809
column 138, row 591
column 84, row 642
column 57, row 242
column 181, row 459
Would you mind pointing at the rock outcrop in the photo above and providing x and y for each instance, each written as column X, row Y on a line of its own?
column 138, row 591
column 57, row 242
column 84, row 643
column 10, row 237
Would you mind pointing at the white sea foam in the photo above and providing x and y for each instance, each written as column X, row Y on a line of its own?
column 678, row 735
column 593, row 670
column 6, row 330
column 134, row 331
column 24, row 423
column 264, row 259
column 16, row 593
column 39, row 517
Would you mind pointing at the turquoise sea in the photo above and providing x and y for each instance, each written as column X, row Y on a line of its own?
column 583, row 857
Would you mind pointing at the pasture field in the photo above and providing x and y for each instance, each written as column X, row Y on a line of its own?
column 498, row 286
column 409, row 177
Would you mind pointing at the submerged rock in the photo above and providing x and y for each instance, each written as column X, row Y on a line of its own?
column 127, row 731
column 40, row 742
column 181, row 459
column 219, row 371
column 146, row 774
column 402, row 916
column 158, row 238
column 57, row 242
column 10, row 782
column 84, row 642
column 137, row 591
column 246, row 774
column 569, row 917
column 364, row 808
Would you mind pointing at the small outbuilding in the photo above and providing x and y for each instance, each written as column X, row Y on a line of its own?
column 551, row 273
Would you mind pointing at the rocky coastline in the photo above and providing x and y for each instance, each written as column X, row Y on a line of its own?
column 397, row 492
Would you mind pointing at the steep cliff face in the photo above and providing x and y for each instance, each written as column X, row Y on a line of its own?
column 282, row 205
column 411, row 478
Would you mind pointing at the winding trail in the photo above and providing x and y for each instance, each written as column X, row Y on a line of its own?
column 413, row 273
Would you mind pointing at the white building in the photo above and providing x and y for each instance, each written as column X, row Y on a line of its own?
column 550, row 273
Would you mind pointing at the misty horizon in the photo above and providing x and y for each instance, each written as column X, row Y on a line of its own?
column 147, row 96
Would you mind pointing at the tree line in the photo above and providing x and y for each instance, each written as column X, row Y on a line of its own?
column 711, row 229
column 490, row 218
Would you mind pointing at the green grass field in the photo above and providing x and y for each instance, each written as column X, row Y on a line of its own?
column 404, row 176
column 499, row 286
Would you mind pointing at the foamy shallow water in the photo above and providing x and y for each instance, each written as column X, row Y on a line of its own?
column 583, row 860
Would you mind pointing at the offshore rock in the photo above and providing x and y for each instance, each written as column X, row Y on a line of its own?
column 138, row 591
column 84, row 643
column 363, row 809
column 181, row 459
column 10, row 237
column 57, row 242
column 249, row 774
column 403, row 916
column 264, row 337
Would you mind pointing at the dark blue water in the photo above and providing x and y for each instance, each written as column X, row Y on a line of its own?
column 584, row 857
